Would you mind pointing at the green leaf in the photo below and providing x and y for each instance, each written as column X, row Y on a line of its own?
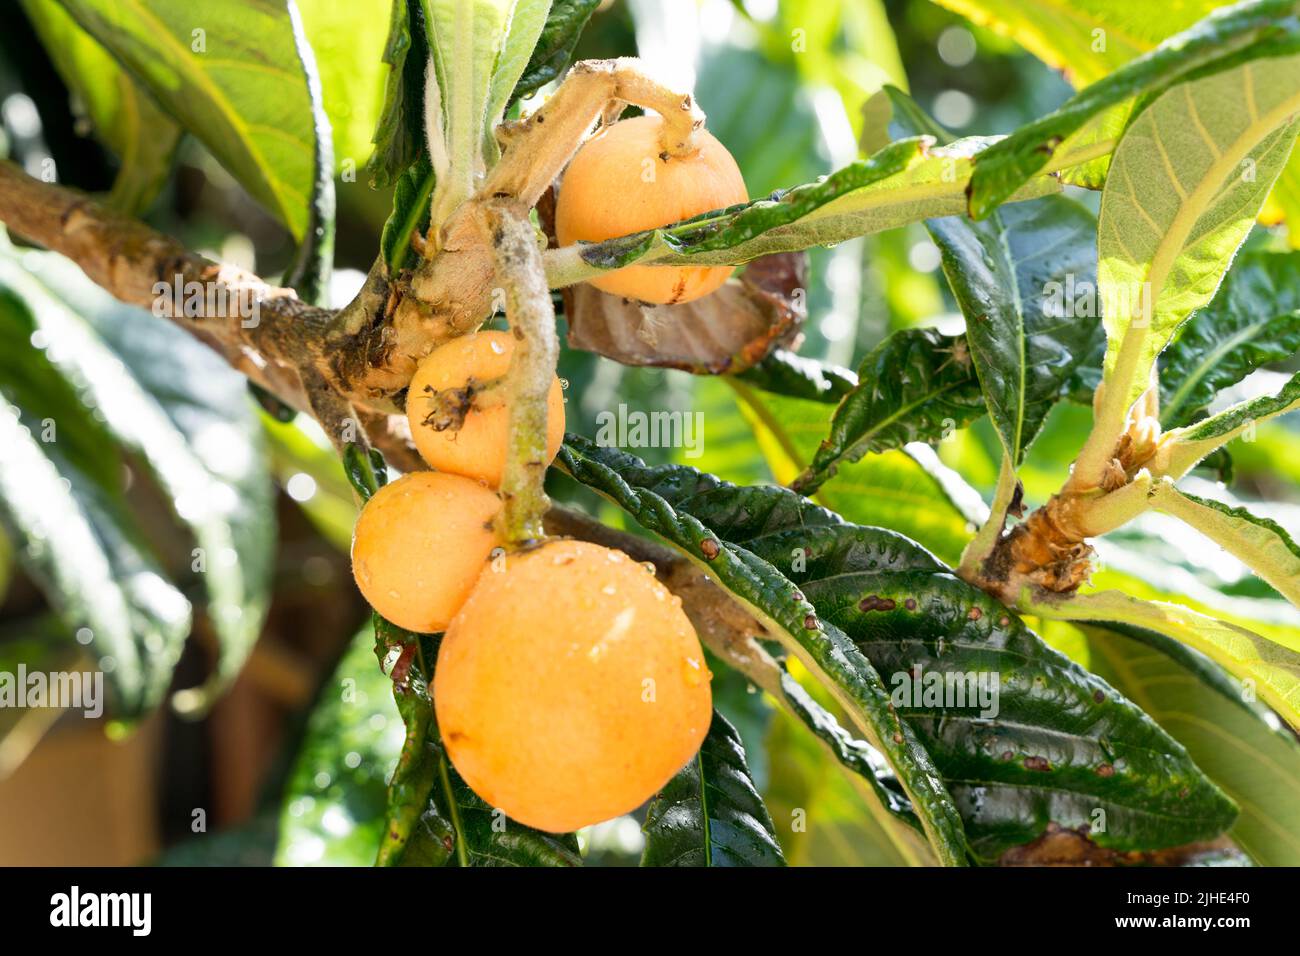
column 904, row 182
column 1002, row 271
column 1096, row 37
column 785, row 373
column 1273, row 669
column 332, row 809
column 1087, row 126
column 1186, row 446
column 1239, row 744
column 349, row 41
column 555, row 45
column 464, row 38
column 399, row 133
column 169, row 399
column 235, row 81
column 1060, row 743
column 709, row 814
column 825, row 817
column 125, row 117
column 1252, row 321
column 1185, row 185
column 654, row 496
column 410, row 214
column 917, row 385
column 856, row 756
column 527, row 20
column 80, row 546
column 1065, row 35
column 1008, row 274
column 1261, row 544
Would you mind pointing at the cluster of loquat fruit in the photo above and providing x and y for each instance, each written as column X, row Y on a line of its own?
column 570, row 686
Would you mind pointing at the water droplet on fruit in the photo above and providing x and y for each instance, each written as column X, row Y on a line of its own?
column 693, row 671
column 609, row 589
column 497, row 347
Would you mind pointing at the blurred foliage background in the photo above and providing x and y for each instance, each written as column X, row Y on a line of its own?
column 267, row 763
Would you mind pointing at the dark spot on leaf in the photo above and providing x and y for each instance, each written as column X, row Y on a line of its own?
column 1098, row 696
column 910, row 604
column 1007, row 755
column 873, row 602
column 898, row 738
column 1037, row 763
column 810, row 622
column 1105, row 770
column 974, row 614
column 709, row 548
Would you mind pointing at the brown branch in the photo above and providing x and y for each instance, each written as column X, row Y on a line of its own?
column 261, row 330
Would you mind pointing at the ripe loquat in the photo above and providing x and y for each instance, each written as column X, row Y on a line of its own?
column 420, row 544
column 622, row 182
column 571, row 686
column 458, row 417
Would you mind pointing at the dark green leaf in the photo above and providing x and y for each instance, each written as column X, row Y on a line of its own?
column 399, row 137
column 1253, row 320
column 1226, row 36
column 785, row 373
column 1189, row 445
column 410, row 214
column 917, row 385
column 332, row 810
column 1003, row 272
column 1009, row 274
column 1061, row 744
column 61, row 499
column 709, row 814
column 564, row 25
column 657, row 498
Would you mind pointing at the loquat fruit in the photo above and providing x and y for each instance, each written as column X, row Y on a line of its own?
column 459, row 421
column 420, row 544
column 621, row 182
column 571, row 686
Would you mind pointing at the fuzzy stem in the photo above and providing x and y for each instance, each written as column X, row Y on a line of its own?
column 532, row 369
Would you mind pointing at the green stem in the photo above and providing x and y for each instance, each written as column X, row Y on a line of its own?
column 532, row 370
column 986, row 539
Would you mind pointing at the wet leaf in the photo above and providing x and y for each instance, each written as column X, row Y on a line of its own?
column 709, row 814
column 1055, row 743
